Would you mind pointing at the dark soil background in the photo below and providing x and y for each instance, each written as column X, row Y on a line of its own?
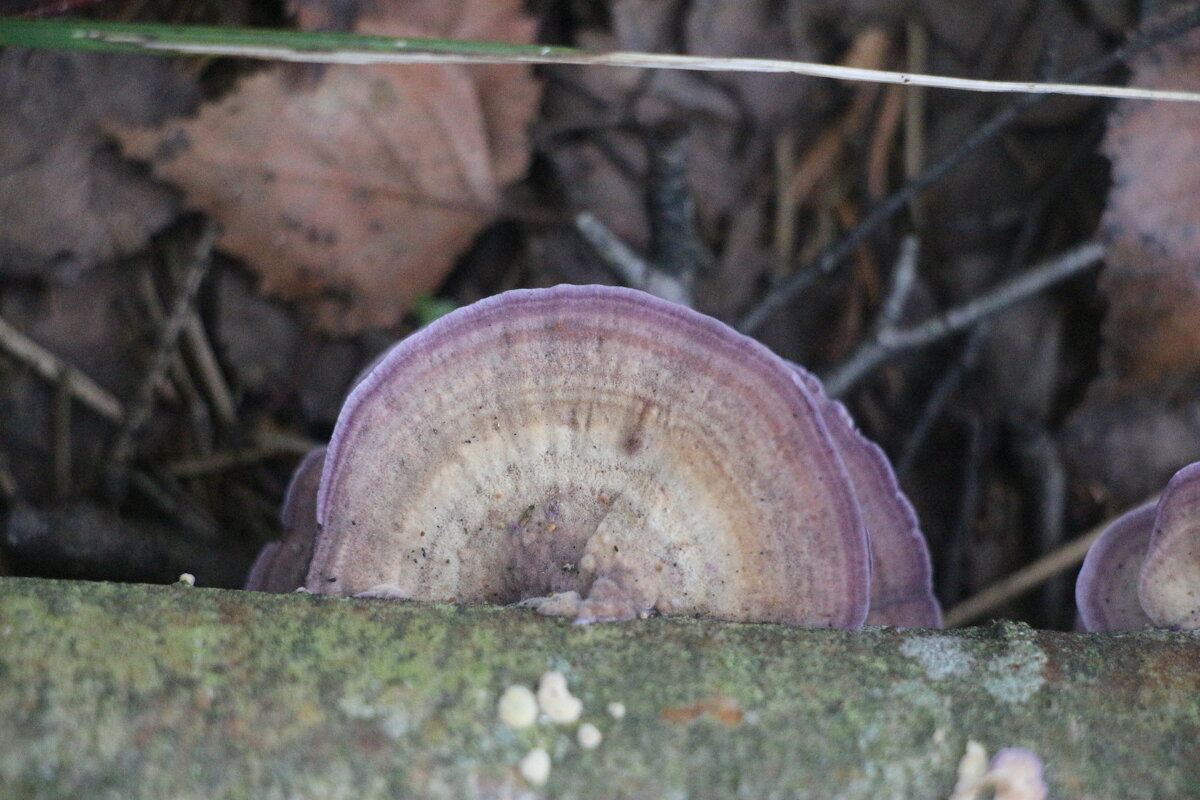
column 1011, row 438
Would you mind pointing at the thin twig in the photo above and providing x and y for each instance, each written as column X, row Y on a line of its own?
column 143, row 403
column 917, row 56
column 173, row 503
column 947, row 384
column 50, row 367
column 268, row 446
column 632, row 268
column 1028, row 577
column 954, row 566
column 676, row 247
column 833, row 257
column 220, row 462
column 197, row 410
column 209, row 370
column 889, row 343
column 1037, row 453
column 60, row 436
column 883, row 140
column 8, row 484
column 953, row 376
column 904, row 276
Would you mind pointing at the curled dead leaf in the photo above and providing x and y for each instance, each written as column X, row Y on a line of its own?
column 355, row 195
column 1152, row 225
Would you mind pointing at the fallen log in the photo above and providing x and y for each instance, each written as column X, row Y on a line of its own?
column 134, row 691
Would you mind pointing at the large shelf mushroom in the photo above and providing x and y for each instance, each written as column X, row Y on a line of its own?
column 597, row 452
column 1144, row 570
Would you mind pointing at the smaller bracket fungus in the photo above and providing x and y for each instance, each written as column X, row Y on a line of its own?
column 1144, row 570
column 282, row 565
column 1106, row 590
column 1169, row 586
column 901, row 575
column 600, row 453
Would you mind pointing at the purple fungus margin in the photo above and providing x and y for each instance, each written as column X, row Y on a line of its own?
column 599, row 450
column 1169, row 585
column 901, row 573
column 1106, row 591
column 282, row 565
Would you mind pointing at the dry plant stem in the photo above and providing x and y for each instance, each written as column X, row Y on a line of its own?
column 883, row 141
column 211, row 377
column 833, row 257
column 197, row 410
column 969, row 354
column 8, row 484
column 173, row 503
column 267, row 447
column 326, row 47
column 173, row 326
column 800, row 178
column 917, row 55
column 784, row 241
column 954, row 566
column 1046, row 478
column 286, row 442
column 50, row 367
column 676, row 247
column 220, row 462
column 629, row 266
column 947, row 384
column 60, row 435
column 891, row 342
column 1028, row 577
column 904, row 275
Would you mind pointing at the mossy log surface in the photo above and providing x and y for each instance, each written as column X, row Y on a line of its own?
column 131, row 691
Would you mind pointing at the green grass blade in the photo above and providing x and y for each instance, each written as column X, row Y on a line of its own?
column 350, row 48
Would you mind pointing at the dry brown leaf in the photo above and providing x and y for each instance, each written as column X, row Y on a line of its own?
column 356, row 195
column 1140, row 420
column 67, row 200
column 1152, row 225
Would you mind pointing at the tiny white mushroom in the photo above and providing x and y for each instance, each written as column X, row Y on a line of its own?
column 535, row 766
column 616, row 710
column 971, row 769
column 518, row 707
column 1017, row 775
column 556, row 700
column 589, row 736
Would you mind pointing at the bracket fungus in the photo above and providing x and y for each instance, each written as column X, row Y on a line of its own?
column 1144, row 570
column 600, row 453
column 901, row 575
column 1106, row 590
column 282, row 565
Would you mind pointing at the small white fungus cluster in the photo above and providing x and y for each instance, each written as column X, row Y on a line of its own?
column 520, row 708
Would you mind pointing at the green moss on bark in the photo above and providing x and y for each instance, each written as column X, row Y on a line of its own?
column 121, row 691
